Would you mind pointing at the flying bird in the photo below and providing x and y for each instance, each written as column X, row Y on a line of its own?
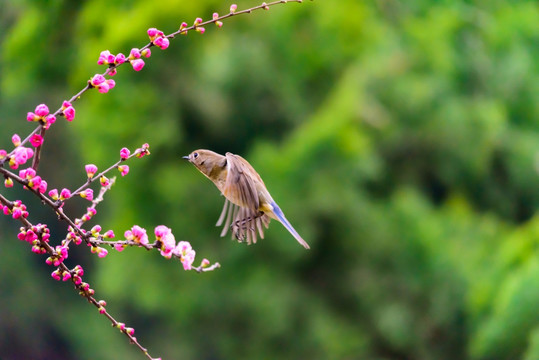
column 249, row 206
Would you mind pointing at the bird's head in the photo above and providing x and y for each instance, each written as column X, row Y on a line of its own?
column 206, row 161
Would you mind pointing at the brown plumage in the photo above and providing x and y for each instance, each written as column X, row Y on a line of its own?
column 249, row 206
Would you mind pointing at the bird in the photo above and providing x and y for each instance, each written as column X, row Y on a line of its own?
column 248, row 204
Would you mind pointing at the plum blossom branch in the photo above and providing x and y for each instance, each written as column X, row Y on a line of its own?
column 31, row 147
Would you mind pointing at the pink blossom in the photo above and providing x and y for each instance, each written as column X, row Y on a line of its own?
column 134, row 54
column 137, row 64
column 65, row 194
column 161, row 42
column 69, row 113
column 233, row 8
column 54, row 194
column 30, row 116
column 146, row 53
column 109, row 234
column 103, row 87
column 186, row 254
column 3, row 154
column 95, row 229
column 124, row 153
column 205, row 263
column 49, row 120
column 98, row 79
column 161, row 231
column 144, row 150
column 104, row 57
column 66, row 276
column 119, row 247
column 78, row 270
column 102, row 252
column 20, row 155
column 27, row 173
column 16, row 140
column 87, row 194
column 168, row 242
column 137, row 234
column 152, row 32
column 198, row 21
column 8, row 182
column 56, row 275
column 120, row 59
column 91, row 169
column 104, row 180
column 183, row 26
column 36, row 140
column 42, row 110
column 111, row 83
column 124, row 169
column 42, row 187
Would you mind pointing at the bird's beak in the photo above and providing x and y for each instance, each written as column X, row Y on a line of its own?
column 185, row 157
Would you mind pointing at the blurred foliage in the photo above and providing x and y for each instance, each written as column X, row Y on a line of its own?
column 400, row 138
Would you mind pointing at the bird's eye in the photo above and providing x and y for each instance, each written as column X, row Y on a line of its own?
column 195, row 155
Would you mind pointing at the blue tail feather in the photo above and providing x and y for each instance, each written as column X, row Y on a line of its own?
column 280, row 215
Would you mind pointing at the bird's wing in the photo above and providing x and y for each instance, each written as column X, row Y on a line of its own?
column 244, row 222
column 240, row 184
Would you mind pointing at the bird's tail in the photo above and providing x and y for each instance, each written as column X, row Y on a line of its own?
column 280, row 216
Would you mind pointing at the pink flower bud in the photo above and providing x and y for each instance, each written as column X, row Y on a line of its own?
column 152, row 32
column 134, row 54
column 42, row 187
column 233, row 8
column 137, row 64
column 183, row 26
column 66, row 276
column 42, row 110
column 124, row 169
column 32, row 117
column 36, row 140
column 120, row 59
column 109, row 234
column 87, row 194
column 111, row 83
column 215, row 16
column 8, row 182
column 54, row 194
column 146, row 53
column 161, row 42
column 124, row 153
column 104, row 180
column 56, row 275
column 91, row 169
column 95, row 229
column 16, row 140
column 119, row 247
column 65, row 194
column 98, row 79
column 198, row 21
column 103, row 87
column 49, row 120
column 69, row 113
column 102, row 252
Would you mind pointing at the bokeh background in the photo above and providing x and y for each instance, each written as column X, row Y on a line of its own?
column 399, row 137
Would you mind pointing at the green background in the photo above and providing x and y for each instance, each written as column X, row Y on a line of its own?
column 399, row 137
